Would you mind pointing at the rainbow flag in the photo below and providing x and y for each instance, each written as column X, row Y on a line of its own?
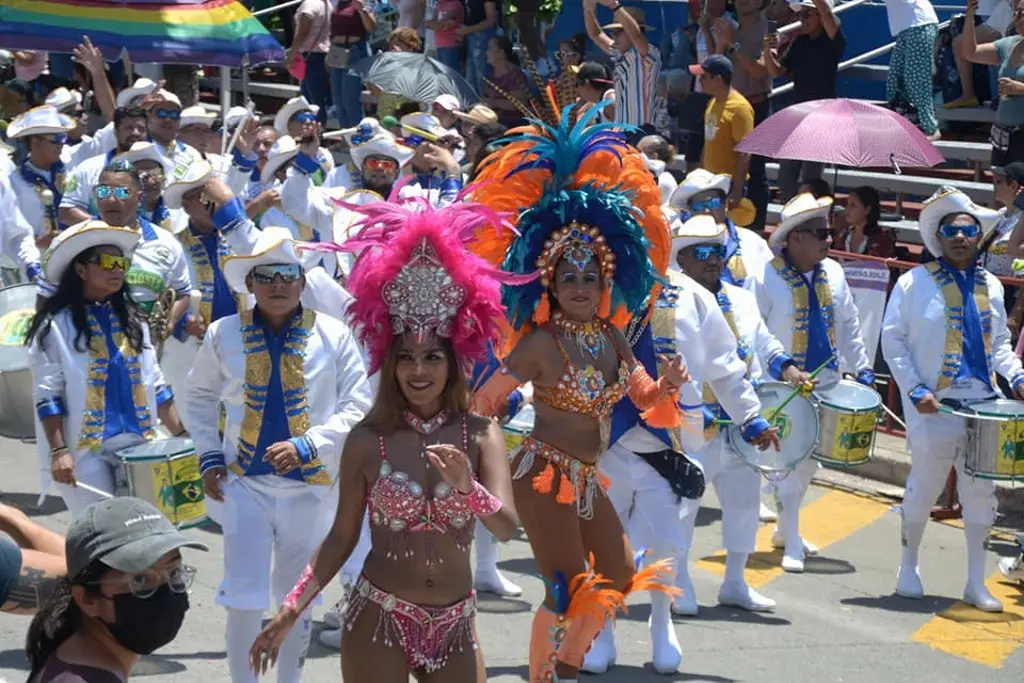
column 213, row 32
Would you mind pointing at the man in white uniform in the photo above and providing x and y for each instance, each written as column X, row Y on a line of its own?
column 807, row 305
column 17, row 238
column 164, row 121
column 293, row 384
column 944, row 336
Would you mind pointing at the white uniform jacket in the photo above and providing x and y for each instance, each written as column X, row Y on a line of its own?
column 17, row 236
column 102, row 142
column 768, row 353
column 338, row 394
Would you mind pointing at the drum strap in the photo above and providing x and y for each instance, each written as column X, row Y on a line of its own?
column 802, row 307
column 204, row 270
column 955, row 311
column 663, row 330
column 743, row 350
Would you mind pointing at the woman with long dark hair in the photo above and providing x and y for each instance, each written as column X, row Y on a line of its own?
column 863, row 234
column 97, row 384
column 125, row 594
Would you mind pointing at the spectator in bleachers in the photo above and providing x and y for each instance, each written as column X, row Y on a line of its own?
column 1007, row 136
column 570, row 52
column 481, row 25
column 751, row 79
column 450, row 15
column 389, row 104
column 593, row 86
column 635, row 63
column 678, row 48
column 444, row 108
column 862, row 233
column 504, row 78
column 817, row 187
column 728, row 119
column 352, row 22
column 1003, row 245
column 660, row 154
column 914, row 25
column 811, row 61
column 410, row 14
column 312, row 42
column 999, row 19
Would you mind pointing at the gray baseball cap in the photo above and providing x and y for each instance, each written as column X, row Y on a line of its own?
column 126, row 534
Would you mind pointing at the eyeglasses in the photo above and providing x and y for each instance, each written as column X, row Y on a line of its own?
column 305, row 117
column 379, row 164
column 704, row 252
column 949, row 231
column 111, row 262
column 163, row 114
column 144, row 585
column 266, row 274
column 707, row 205
column 117, row 191
column 57, row 140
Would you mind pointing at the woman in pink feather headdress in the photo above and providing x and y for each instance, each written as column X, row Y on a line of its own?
column 426, row 309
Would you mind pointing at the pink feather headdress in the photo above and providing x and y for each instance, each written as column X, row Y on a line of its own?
column 415, row 275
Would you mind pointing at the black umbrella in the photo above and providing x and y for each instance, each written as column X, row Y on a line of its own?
column 415, row 77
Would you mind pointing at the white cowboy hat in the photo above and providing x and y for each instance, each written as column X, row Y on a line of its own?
column 235, row 116
column 85, row 235
column 44, row 120
column 948, row 201
column 290, row 109
column 424, row 121
column 797, row 211
column 701, row 229
column 147, row 151
column 169, row 97
column 283, row 151
column 197, row 115
column 478, row 114
column 345, row 219
column 695, row 182
column 62, row 99
column 196, row 174
column 384, row 144
column 273, row 246
column 139, row 90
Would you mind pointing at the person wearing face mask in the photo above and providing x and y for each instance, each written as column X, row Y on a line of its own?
column 437, row 175
column 807, row 305
column 941, row 357
column 293, row 385
column 125, row 595
column 77, row 203
column 98, row 386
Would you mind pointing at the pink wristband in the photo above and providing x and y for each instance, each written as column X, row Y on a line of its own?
column 482, row 502
column 291, row 601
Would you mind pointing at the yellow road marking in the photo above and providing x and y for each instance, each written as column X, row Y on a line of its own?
column 824, row 521
column 977, row 636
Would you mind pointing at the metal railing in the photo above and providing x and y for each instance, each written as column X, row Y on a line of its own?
column 275, row 8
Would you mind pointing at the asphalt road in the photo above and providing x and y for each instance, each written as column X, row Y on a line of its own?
column 837, row 622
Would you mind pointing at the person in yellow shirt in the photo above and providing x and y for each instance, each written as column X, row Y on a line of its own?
column 727, row 120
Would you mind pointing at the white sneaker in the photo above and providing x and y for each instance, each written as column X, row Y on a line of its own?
column 908, row 583
column 496, row 583
column 736, row 594
column 767, row 514
column 778, row 542
column 979, row 596
column 793, row 563
column 601, row 655
column 666, row 653
column 331, row 638
column 1012, row 568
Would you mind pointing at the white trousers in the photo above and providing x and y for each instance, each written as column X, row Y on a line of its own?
column 93, row 470
column 645, row 503
column 797, row 482
column 738, row 487
column 935, row 445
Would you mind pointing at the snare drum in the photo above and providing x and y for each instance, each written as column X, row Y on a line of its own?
column 798, row 432
column 848, row 414
column 17, row 406
column 518, row 428
column 995, row 439
column 166, row 473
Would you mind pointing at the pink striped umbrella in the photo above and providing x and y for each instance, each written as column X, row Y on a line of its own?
column 842, row 132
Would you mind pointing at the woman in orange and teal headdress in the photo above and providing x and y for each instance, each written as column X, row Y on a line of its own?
column 591, row 231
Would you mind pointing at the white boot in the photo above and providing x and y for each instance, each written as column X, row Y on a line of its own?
column 735, row 592
column 487, row 578
column 789, row 531
column 908, row 580
column 601, row 655
column 1012, row 568
column 976, row 593
column 684, row 604
column 331, row 638
column 766, row 514
column 666, row 654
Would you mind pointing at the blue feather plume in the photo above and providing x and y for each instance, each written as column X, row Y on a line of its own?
column 559, row 589
column 638, row 558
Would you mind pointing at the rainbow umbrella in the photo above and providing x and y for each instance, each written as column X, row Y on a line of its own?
column 214, row 32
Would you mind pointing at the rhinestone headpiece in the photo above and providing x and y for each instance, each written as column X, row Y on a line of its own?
column 577, row 244
column 423, row 298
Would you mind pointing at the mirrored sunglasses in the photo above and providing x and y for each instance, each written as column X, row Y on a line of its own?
column 57, row 140
column 266, row 274
column 707, row 205
column 704, row 252
column 117, row 191
column 305, row 117
column 379, row 164
column 112, row 262
column 414, row 140
column 163, row 114
column 949, row 231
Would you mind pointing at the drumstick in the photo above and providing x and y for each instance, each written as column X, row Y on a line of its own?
column 799, row 388
column 90, row 489
column 422, row 133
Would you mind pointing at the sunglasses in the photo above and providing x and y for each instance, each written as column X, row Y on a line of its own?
column 704, row 252
column 117, row 191
column 57, row 140
column 305, row 117
column 707, row 205
column 380, row 164
column 111, row 262
column 266, row 274
column 950, row 232
column 164, row 114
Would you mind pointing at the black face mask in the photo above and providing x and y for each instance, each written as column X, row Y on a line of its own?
column 144, row 626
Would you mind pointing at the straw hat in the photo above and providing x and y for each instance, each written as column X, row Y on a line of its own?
column 195, row 175
column 478, row 114
column 44, row 120
column 701, row 229
column 638, row 17
column 943, row 203
column 273, row 246
column 283, row 151
column 798, row 211
column 92, row 233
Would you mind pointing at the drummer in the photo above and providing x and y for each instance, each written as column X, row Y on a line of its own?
column 807, row 305
column 944, row 335
column 700, row 249
column 97, row 384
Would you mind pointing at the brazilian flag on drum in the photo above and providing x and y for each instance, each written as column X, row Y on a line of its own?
column 209, row 32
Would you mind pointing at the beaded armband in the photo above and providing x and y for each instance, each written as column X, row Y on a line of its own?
column 482, row 502
column 307, row 579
